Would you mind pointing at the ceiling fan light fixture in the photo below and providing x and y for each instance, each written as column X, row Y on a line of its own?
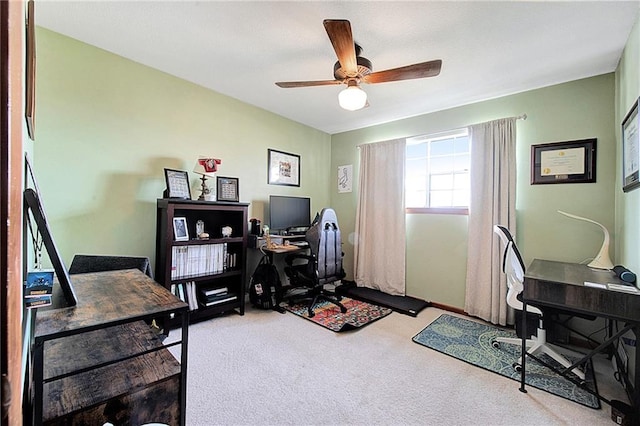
column 353, row 97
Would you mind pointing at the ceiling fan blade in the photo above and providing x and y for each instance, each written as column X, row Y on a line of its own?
column 339, row 31
column 290, row 84
column 421, row 70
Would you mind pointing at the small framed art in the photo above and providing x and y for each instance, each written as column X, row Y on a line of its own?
column 177, row 184
column 345, row 178
column 283, row 168
column 631, row 149
column 180, row 231
column 564, row 162
column 227, row 189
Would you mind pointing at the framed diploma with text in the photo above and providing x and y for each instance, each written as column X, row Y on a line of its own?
column 564, row 162
column 631, row 149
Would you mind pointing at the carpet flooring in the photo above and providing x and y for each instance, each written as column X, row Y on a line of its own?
column 329, row 316
column 470, row 341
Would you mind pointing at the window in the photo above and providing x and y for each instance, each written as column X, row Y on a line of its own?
column 437, row 173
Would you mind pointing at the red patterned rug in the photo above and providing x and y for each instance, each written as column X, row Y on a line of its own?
column 329, row 316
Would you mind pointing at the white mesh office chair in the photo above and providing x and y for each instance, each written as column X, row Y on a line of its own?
column 513, row 267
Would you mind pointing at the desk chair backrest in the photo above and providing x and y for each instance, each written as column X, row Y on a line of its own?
column 513, row 267
column 325, row 243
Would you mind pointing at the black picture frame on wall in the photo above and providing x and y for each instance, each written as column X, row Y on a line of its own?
column 564, row 162
column 30, row 71
column 283, row 168
column 631, row 149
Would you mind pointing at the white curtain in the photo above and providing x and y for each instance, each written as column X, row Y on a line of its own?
column 379, row 255
column 493, row 194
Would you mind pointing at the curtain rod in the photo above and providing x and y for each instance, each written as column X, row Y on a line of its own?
column 519, row 117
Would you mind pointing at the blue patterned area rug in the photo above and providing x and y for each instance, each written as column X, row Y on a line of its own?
column 470, row 341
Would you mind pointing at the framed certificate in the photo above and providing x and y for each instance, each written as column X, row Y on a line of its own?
column 631, row 149
column 564, row 162
column 177, row 184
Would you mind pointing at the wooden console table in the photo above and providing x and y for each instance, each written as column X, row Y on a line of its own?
column 101, row 362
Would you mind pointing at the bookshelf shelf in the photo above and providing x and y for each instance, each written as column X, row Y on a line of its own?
column 187, row 267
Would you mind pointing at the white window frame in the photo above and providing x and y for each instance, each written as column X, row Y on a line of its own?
column 459, row 210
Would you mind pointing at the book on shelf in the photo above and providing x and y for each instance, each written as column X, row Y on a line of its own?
column 214, row 291
column 216, row 300
column 180, row 292
column 201, row 259
column 191, row 295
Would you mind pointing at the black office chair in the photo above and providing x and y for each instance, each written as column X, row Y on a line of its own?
column 323, row 266
column 84, row 263
column 513, row 267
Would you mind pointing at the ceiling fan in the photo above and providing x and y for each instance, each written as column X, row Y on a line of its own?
column 353, row 69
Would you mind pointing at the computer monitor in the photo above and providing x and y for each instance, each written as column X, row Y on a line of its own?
column 288, row 213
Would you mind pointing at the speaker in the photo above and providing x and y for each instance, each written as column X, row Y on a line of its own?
column 624, row 274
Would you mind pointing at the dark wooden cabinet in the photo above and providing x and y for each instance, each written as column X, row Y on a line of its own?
column 209, row 274
column 100, row 361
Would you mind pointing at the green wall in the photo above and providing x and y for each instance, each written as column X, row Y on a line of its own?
column 437, row 244
column 627, row 204
column 107, row 127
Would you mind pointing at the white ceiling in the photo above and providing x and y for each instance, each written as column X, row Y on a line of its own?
column 240, row 48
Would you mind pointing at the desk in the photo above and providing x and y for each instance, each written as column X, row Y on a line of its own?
column 287, row 247
column 99, row 360
column 561, row 285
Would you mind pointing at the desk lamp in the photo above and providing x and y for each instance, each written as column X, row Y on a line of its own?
column 206, row 167
column 602, row 259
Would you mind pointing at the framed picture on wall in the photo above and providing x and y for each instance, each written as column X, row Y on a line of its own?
column 345, row 178
column 631, row 149
column 283, row 168
column 30, row 75
column 564, row 162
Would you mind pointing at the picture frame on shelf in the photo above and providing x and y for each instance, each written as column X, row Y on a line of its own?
column 564, row 162
column 180, row 231
column 227, row 189
column 177, row 184
column 631, row 149
column 283, row 168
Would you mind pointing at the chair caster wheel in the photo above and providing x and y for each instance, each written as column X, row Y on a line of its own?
column 495, row 344
column 517, row 367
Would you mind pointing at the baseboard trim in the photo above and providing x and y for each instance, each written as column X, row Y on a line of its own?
column 448, row 308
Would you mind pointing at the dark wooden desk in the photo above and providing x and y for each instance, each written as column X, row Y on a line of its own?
column 561, row 285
